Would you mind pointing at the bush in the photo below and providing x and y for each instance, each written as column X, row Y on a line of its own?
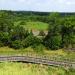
column 1, row 44
column 38, row 48
column 4, row 37
column 53, row 42
column 31, row 40
column 19, row 33
column 17, row 44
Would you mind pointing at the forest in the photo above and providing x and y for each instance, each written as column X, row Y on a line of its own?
column 17, row 29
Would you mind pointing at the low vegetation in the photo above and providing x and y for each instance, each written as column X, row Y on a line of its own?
column 11, row 68
column 57, row 55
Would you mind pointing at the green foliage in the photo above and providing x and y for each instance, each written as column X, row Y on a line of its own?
column 17, row 44
column 19, row 33
column 53, row 42
column 31, row 33
column 67, row 31
column 60, row 32
column 22, row 23
column 38, row 48
column 1, row 44
column 5, row 38
column 5, row 25
column 41, row 33
column 53, row 39
column 15, row 27
column 31, row 40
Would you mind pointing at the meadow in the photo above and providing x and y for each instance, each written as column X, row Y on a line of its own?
column 33, row 25
column 57, row 55
column 37, row 25
column 11, row 68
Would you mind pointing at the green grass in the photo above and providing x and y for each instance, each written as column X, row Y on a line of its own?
column 11, row 68
column 57, row 55
column 36, row 26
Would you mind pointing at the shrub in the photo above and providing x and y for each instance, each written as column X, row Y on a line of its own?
column 38, row 48
column 53, row 42
column 1, row 44
column 19, row 33
column 17, row 44
column 4, row 37
column 31, row 40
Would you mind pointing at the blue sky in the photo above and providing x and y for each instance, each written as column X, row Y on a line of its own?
column 38, row 5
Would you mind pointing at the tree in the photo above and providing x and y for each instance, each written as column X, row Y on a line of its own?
column 67, row 31
column 5, row 29
column 31, row 40
column 4, row 38
column 19, row 33
column 5, row 25
column 53, row 39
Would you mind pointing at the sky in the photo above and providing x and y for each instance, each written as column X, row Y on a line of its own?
column 39, row 5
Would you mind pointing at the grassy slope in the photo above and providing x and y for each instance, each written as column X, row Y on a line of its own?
column 37, row 25
column 54, row 55
column 34, row 25
column 10, row 68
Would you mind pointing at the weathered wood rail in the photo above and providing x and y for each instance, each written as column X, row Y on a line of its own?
column 37, row 60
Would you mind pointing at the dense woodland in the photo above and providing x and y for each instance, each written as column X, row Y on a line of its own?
column 61, row 30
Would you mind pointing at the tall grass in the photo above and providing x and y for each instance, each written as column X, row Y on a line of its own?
column 58, row 55
column 11, row 68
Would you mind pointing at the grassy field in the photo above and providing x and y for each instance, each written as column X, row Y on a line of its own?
column 37, row 26
column 59, row 55
column 11, row 68
column 34, row 25
column 19, row 68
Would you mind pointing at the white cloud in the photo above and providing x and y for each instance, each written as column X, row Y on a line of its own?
column 21, row 1
column 60, row 1
column 66, row 2
column 70, row 3
column 41, row 5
